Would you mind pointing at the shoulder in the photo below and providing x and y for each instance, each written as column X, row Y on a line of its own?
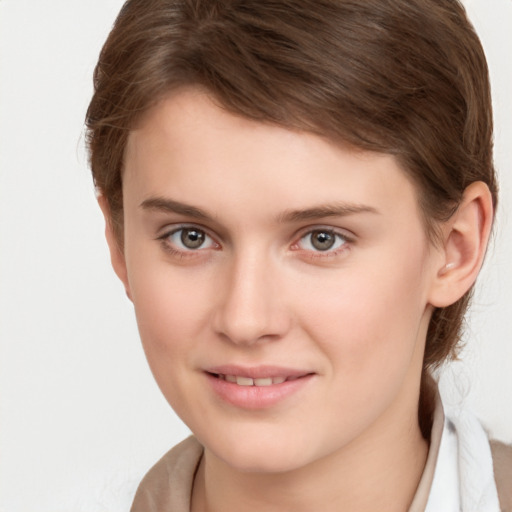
column 168, row 484
column 502, row 462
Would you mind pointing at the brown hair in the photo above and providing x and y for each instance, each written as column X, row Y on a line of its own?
column 404, row 77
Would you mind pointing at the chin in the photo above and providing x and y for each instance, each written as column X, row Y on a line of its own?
column 261, row 462
column 251, row 454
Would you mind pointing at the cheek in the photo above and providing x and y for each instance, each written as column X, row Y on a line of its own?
column 171, row 307
column 368, row 318
column 171, row 316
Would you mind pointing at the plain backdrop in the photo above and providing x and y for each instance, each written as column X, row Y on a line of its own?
column 81, row 417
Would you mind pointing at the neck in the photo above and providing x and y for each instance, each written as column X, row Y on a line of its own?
column 378, row 471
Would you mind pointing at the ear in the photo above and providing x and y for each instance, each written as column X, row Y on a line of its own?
column 116, row 252
column 465, row 237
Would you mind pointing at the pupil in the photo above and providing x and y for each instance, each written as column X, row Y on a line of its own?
column 192, row 238
column 322, row 240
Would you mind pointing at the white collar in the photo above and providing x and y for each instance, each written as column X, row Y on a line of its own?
column 464, row 478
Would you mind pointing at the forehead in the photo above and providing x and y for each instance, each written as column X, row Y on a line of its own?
column 189, row 147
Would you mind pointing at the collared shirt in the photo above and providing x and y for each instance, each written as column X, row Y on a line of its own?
column 458, row 474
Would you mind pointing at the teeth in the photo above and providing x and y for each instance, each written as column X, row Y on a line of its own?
column 263, row 382
column 247, row 381
column 244, row 381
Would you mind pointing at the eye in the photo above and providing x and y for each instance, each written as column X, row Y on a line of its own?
column 188, row 239
column 323, row 240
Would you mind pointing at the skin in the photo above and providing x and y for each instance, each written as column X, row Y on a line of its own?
column 258, row 292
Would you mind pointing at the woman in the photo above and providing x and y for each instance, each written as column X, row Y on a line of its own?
column 298, row 198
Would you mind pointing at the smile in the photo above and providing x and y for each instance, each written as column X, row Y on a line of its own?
column 248, row 381
column 257, row 387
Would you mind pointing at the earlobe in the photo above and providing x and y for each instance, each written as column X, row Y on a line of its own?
column 116, row 253
column 465, row 238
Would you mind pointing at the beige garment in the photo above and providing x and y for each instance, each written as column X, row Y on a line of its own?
column 502, row 460
column 167, row 487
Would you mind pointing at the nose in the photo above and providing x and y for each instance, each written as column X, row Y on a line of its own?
column 251, row 305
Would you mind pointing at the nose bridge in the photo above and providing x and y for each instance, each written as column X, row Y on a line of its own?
column 251, row 308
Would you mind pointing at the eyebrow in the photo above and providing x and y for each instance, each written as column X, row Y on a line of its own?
column 328, row 210
column 288, row 216
column 171, row 206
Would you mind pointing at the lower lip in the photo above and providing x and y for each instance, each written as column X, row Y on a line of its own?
column 256, row 397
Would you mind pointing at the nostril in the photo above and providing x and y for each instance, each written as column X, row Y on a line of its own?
column 248, row 308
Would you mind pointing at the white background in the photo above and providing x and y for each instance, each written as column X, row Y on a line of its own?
column 81, row 418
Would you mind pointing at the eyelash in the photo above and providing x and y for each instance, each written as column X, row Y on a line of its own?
column 185, row 252
column 328, row 253
column 169, row 247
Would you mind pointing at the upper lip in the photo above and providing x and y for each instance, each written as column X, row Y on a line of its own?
column 257, row 372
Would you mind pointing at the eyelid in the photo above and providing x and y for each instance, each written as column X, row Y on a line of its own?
column 168, row 229
column 343, row 232
column 347, row 236
column 171, row 229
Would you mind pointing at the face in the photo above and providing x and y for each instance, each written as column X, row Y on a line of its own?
column 280, row 281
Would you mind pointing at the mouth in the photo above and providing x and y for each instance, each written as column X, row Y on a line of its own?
column 257, row 387
column 241, row 380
